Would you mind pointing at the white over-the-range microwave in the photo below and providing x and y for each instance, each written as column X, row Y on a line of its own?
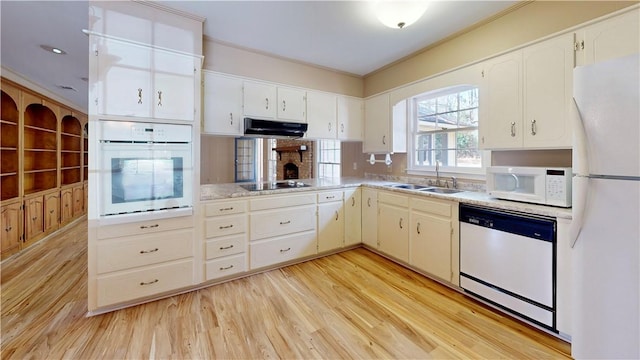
column 538, row 185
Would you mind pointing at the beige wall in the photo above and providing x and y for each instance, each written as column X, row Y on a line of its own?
column 525, row 24
column 233, row 60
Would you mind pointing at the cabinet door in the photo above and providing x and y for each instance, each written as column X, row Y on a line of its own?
column 330, row 226
column 66, row 205
column 547, row 80
column 222, row 105
column 33, row 219
column 321, row 115
column 376, row 125
column 501, row 102
column 10, row 215
column 124, row 79
column 291, row 104
column 174, row 86
column 611, row 38
column 51, row 211
column 78, row 201
column 370, row 217
column 430, row 243
column 259, row 100
column 350, row 118
column 353, row 217
column 393, row 231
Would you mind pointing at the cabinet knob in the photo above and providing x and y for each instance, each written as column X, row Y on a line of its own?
column 7, row 229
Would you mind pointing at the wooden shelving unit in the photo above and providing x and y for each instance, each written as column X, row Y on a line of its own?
column 71, row 154
column 40, row 155
column 9, row 147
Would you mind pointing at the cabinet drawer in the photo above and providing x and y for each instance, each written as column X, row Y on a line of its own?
column 271, row 223
column 397, row 200
column 270, row 252
column 228, row 225
column 436, row 207
column 142, row 250
column 225, row 208
column 229, row 245
column 145, row 282
column 226, row 266
column 329, row 196
column 144, row 227
column 281, row 202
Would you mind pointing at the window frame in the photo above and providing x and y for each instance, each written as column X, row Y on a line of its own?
column 320, row 147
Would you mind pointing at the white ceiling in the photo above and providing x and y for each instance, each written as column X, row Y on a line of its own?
column 340, row 35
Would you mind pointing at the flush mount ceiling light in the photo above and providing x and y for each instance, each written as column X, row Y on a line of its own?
column 400, row 14
column 52, row 49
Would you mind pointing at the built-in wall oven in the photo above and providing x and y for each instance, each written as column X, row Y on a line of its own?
column 509, row 259
column 145, row 168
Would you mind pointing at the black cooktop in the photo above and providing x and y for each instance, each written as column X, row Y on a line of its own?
column 291, row 184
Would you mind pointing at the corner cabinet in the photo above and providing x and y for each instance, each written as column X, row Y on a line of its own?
column 384, row 125
column 142, row 81
column 526, row 97
column 222, row 104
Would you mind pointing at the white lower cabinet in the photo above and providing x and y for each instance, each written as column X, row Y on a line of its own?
column 330, row 221
column 282, row 249
column 352, row 216
column 393, row 225
column 432, row 237
column 139, row 260
column 225, row 243
column 370, row 217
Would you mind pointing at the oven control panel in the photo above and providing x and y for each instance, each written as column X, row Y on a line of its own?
column 144, row 132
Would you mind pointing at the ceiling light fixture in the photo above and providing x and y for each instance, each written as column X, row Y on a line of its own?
column 399, row 14
column 54, row 50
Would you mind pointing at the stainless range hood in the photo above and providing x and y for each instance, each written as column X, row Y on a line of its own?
column 273, row 129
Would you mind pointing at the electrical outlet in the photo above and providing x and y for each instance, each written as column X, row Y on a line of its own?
column 355, row 165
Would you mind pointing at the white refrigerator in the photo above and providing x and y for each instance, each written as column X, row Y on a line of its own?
column 606, row 211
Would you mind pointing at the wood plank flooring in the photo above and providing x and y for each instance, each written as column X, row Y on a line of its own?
column 351, row 305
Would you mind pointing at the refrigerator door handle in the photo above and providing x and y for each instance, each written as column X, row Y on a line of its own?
column 580, row 197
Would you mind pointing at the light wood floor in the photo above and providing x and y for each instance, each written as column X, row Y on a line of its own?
column 351, row 305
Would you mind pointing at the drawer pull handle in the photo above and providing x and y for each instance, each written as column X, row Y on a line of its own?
column 336, row 216
column 34, row 218
column 150, row 226
column 149, row 283
column 329, row 197
column 148, row 251
column 226, row 227
column 8, row 229
column 418, row 228
column 285, row 222
column 226, row 209
column 400, row 223
column 285, row 250
column 226, row 268
column 226, row 247
column 353, row 201
column 51, row 211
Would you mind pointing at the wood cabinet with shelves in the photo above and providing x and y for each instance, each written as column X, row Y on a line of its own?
column 40, row 149
column 11, row 217
column 9, row 143
column 71, row 155
column 527, row 95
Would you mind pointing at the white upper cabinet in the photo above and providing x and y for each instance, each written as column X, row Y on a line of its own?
column 259, row 100
column 385, row 125
column 222, row 104
column 525, row 97
column 291, row 104
column 609, row 39
column 142, row 81
column 350, row 118
column 321, row 115
column 268, row 101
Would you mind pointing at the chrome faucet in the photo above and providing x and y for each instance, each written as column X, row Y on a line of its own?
column 454, row 182
column 438, row 173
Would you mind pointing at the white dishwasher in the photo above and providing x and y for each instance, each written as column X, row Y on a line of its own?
column 509, row 260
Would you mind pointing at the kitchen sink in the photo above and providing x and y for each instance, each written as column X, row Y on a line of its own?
column 408, row 186
column 440, row 190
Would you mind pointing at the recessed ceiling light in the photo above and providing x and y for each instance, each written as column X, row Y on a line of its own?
column 67, row 87
column 54, row 50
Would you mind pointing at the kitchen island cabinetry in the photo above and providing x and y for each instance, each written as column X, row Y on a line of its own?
column 330, row 221
column 282, row 229
column 393, row 225
column 225, row 229
column 526, row 96
column 433, row 239
column 222, row 104
column 139, row 260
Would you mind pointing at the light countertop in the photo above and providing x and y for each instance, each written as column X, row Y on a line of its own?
column 234, row 191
